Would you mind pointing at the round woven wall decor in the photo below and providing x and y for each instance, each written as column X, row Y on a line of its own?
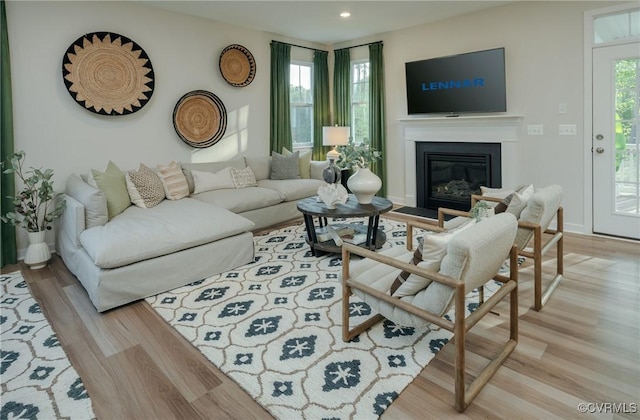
column 237, row 65
column 108, row 73
column 200, row 118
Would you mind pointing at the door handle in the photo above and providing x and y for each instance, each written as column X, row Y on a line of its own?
column 600, row 150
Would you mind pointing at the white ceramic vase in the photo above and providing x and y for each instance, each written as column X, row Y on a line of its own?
column 37, row 254
column 364, row 184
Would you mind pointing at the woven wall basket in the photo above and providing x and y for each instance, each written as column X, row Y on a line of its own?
column 200, row 118
column 108, row 74
column 237, row 65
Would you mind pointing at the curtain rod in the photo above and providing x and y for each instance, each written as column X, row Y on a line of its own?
column 299, row 46
column 356, row 46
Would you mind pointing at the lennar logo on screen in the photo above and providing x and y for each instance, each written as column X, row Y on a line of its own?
column 454, row 84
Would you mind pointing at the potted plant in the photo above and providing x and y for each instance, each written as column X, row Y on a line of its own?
column 358, row 156
column 36, row 207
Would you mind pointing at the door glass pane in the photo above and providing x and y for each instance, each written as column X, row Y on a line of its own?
column 627, row 165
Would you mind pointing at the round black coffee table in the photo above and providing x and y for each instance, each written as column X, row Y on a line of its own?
column 374, row 238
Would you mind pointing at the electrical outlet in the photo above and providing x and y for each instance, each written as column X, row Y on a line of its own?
column 535, row 129
column 567, row 130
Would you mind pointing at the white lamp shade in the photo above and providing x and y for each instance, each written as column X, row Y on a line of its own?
column 335, row 136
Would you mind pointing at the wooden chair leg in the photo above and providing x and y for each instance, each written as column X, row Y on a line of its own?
column 537, row 268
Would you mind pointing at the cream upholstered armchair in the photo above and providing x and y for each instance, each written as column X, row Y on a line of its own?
column 533, row 229
column 472, row 257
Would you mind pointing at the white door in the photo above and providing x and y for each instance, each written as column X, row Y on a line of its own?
column 616, row 148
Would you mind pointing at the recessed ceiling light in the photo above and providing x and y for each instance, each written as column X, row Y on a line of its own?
column 345, row 14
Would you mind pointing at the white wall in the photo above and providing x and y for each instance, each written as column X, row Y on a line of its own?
column 544, row 55
column 56, row 132
column 544, row 61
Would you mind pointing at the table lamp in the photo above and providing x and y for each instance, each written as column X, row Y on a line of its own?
column 334, row 136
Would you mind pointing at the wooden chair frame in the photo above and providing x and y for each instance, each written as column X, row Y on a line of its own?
column 463, row 395
column 537, row 254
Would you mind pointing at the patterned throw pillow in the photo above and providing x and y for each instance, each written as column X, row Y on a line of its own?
column 145, row 187
column 173, row 180
column 114, row 186
column 243, row 178
column 285, row 167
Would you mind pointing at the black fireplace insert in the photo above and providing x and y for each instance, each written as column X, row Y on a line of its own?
column 449, row 172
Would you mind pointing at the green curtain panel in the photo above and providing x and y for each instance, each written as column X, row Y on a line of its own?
column 280, row 132
column 377, row 128
column 321, row 106
column 341, row 85
column 8, row 188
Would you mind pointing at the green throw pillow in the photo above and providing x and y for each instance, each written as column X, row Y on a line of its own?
column 113, row 184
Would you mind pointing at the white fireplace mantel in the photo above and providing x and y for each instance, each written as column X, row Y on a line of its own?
column 503, row 129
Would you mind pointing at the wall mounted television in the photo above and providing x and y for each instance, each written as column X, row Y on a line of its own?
column 470, row 82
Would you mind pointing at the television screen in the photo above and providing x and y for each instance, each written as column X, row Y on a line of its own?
column 470, row 82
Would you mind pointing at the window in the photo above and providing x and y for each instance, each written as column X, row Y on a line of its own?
column 617, row 27
column 360, row 101
column 301, row 104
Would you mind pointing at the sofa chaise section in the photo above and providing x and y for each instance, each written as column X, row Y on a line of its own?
column 143, row 252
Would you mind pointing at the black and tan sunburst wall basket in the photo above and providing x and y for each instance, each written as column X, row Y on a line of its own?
column 107, row 73
column 200, row 118
column 237, row 65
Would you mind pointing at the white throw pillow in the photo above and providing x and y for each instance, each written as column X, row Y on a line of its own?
column 209, row 181
column 519, row 201
column 434, row 249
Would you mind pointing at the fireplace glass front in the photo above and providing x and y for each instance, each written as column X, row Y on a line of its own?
column 449, row 173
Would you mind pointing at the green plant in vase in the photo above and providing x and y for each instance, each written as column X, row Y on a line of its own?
column 36, row 206
column 364, row 184
column 356, row 155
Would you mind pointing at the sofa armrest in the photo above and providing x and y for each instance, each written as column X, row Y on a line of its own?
column 72, row 224
column 317, row 166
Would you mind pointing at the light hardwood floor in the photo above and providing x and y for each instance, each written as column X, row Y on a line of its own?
column 583, row 347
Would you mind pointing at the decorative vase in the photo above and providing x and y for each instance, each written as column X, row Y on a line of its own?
column 331, row 173
column 37, row 254
column 364, row 184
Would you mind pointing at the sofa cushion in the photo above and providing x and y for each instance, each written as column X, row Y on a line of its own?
column 293, row 189
column 174, row 181
column 92, row 198
column 261, row 166
column 241, row 200
column 112, row 183
column 304, row 162
column 210, row 167
column 145, row 187
column 209, row 181
column 285, row 167
column 139, row 234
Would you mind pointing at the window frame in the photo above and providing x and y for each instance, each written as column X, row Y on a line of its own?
column 310, row 105
column 353, row 103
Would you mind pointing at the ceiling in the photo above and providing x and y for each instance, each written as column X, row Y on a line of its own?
column 319, row 21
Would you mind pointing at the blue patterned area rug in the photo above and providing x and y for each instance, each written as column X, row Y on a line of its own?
column 38, row 381
column 274, row 326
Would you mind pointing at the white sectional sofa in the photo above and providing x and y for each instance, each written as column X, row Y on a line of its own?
column 145, row 251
